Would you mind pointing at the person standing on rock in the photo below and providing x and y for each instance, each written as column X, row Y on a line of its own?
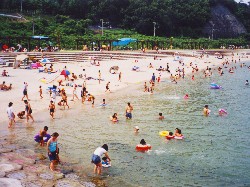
column 11, row 114
column 53, row 150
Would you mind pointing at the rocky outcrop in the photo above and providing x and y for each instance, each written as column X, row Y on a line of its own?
column 223, row 24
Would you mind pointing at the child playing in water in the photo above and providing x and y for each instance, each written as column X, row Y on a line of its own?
column 105, row 162
column 161, row 117
column 170, row 136
column 206, row 111
column 42, row 134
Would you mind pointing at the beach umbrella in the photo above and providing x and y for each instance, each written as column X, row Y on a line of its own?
column 65, row 72
column 45, row 60
column 21, row 57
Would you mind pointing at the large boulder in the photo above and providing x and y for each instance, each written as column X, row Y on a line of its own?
column 8, row 167
column 223, row 24
column 7, row 182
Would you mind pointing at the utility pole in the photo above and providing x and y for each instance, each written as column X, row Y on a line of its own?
column 102, row 25
column 154, row 27
column 21, row 6
column 33, row 25
column 213, row 31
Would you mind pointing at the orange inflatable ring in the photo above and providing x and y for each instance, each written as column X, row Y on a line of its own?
column 140, row 147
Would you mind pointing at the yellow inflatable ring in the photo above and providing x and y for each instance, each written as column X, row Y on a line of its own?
column 163, row 133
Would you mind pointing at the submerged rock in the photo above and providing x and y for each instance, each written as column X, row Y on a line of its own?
column 7, row 182
column 68, row 183
column 5, row 150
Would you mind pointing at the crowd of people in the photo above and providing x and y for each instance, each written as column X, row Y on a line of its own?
column 52, row 146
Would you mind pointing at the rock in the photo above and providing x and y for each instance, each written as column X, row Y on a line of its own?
column 17, row 175
column 71, row 176
column 41, row 157
column 36, row 168
column 2, row 174
column 4, row 150
column 51, row 176
column 88, row 184
column 32, row 183
column 26, row 153
column 7, row 182
column 68, row 183
column 10, row 167
column 19, row 159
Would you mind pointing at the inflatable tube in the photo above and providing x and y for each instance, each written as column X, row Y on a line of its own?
column 222, row 112
column 103, row 105
column 179, row 137
column 215, row 86
column 106, row 165
column 45, row 138
column 140, row 147
column 163, row 133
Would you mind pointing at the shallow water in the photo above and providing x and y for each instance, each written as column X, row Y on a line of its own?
column 215, row 151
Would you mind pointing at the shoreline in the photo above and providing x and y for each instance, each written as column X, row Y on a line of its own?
column 131, row 85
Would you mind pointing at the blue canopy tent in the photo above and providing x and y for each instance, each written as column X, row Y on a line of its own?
column 123, row 41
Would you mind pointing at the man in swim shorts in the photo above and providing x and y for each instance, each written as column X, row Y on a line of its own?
column 128, row 111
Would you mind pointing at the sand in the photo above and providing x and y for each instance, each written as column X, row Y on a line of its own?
column 33, row 78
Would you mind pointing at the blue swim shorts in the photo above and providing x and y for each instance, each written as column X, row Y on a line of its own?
column 129, row 115
column 96, row 159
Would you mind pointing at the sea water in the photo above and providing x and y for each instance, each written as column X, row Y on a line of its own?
column 215, row 151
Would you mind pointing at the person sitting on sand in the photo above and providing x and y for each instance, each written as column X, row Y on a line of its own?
column 161, row 117
column 21, row 114
column 178, row 132
column 53, row 150
column 5, row 87
column 5, row 73
column 150, row 65
column 74, row 76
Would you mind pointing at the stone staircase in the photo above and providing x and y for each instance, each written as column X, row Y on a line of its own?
column 81, row 56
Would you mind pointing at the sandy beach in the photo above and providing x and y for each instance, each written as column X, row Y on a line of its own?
column 35, row 79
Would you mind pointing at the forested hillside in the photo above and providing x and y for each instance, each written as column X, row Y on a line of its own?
column 171, row 17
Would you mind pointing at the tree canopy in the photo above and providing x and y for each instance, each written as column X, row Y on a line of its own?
column 172, row 17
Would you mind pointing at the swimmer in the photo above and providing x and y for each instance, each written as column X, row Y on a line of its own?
column 177, row 132
column 21, row 114
column 246, row 83
column 206, row 111
column 128, row 111
column 114, row 118
column 103, row 102
column 42, row 134
column 136, row 129
column 52, row 109
column 222, row 112
column 170, row 136
column 161, row 117
column 186, row 96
